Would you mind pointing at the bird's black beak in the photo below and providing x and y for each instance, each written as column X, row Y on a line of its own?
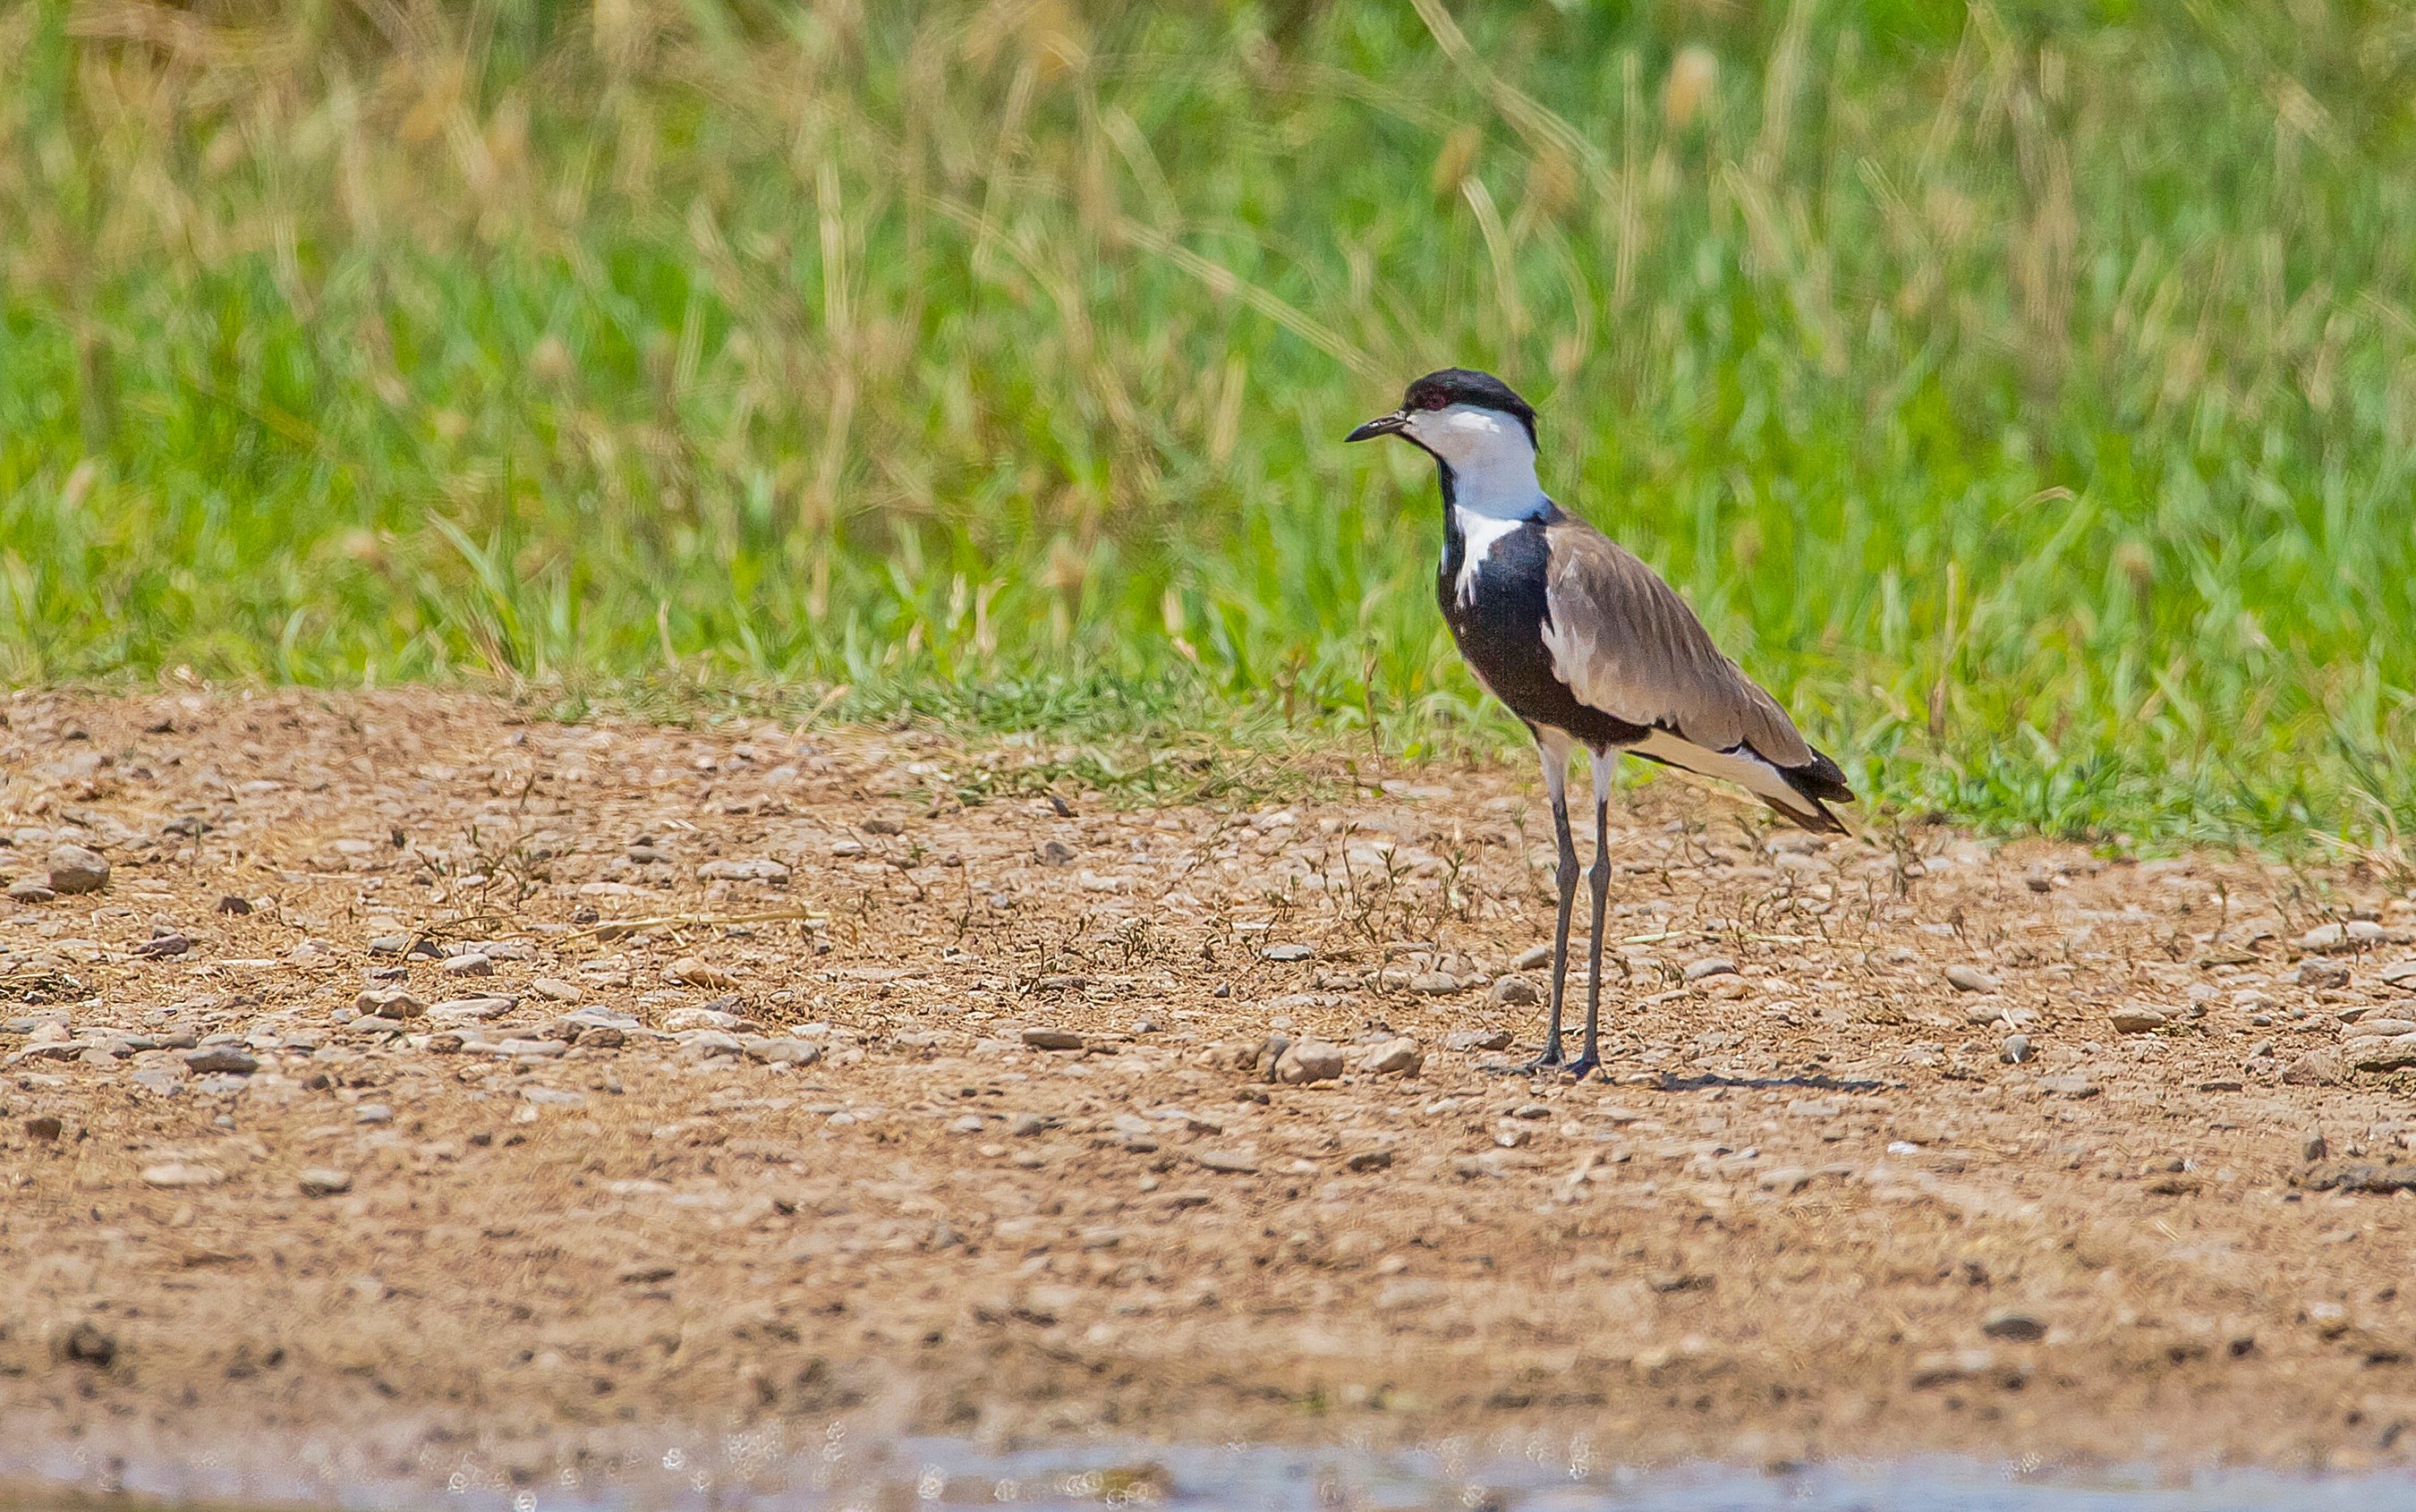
column 1383, row 425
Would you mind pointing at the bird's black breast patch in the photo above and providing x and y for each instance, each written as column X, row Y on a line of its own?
column 1500, row 629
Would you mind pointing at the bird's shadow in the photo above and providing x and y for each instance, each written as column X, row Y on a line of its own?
column 1814, row 1081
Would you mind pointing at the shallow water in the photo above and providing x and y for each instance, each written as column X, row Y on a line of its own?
column 777, row 1471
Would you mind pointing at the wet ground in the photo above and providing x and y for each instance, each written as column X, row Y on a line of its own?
column 449, row 1086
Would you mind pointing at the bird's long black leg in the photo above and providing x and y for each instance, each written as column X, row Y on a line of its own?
column 1590, row 1058
column 1556, row 782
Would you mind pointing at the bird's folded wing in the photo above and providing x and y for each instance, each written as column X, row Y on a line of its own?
column 1626, row 643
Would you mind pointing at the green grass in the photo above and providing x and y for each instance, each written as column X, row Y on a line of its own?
column 2028, row 394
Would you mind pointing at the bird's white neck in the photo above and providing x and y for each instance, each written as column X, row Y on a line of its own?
column 1490, row 459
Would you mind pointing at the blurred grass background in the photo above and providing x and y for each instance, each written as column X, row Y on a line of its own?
column 2023, row 391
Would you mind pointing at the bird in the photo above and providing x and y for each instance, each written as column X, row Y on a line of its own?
column 1590, row 648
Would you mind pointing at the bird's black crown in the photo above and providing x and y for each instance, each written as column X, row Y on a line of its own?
column 1466, row 385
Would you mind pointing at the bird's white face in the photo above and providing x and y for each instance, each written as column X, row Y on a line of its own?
column 1469, row 435
column 1491, row 460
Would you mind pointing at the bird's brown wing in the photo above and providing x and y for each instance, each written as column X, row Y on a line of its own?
column 1626, row 643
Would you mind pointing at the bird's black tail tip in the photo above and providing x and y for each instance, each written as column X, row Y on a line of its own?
column 1821, row 782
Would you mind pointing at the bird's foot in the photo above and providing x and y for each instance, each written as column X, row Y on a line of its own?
column 1583, row 1066
column 1549, row 1061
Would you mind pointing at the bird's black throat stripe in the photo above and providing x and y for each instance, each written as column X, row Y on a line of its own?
column 1501, row 629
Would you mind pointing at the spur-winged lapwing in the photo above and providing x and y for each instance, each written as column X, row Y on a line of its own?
column 1588, row 646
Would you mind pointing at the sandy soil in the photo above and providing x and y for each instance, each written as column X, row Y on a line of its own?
column 736, row 1165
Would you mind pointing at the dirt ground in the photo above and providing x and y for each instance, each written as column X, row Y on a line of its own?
column 680, row 1153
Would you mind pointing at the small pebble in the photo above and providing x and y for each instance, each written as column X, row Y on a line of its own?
column 1398, row 1056
column 77, row 869
column 1967, row 978
column 1311, row 1060
column 2021, row 1328
column 323, row 1181
column 174, row 1173
column 228, row 1059
column 2137, row 1019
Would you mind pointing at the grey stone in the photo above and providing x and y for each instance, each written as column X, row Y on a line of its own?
column 2137, row 1019
column 480, row 1008
column 1515, row 990
column 390, row 1003
column 76, row 868
column 323, row 1181
column 1940, row 1367
column 473, row 964
column 1476, row 1039
column 373, row 1112
column 1052, row 1039
column 232, row 1060
column 2316, row 1068
column 2377, row 1052
column 779, row 1051
column 1398, row 1056
column 758, row 869
column 2015, row 1050
column 2357, row 934
column 181, row 1174
column 160, row 1081
column 706, row 1044
column 1290, row 951
column 2358, row 1176
column 1233, row 1162
column 2019, row 1326
column 1311, row 1060
column 1533, row 956
column 2322, row 973
column 1435, row 984
column 515, row 1047
column 1710, row 966
column 389, row 945
column 554, row 988
column 1967, row 978
column 680, row 1021
column 30, row 890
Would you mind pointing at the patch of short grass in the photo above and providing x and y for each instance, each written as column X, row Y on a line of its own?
column 2023, row 390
